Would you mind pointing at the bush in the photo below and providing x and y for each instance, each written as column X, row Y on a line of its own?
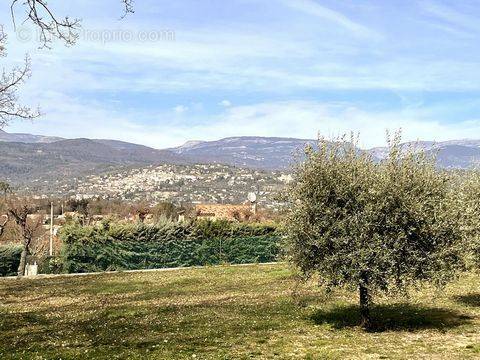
column 9, row 259
column 49, row 265
column 116, row 246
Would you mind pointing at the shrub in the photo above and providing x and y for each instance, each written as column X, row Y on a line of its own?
column 115, row 246
column 9, row 259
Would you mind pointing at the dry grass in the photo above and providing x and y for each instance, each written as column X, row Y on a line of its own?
column 227, row 313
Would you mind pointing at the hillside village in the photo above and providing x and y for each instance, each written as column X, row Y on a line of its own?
column 179, row 184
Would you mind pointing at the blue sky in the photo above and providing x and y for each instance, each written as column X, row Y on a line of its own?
column 212, row 69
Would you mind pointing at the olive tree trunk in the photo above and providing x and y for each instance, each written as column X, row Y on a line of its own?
column 23, row 262
column 365, row 302
column 23, row 256
column 3, row 224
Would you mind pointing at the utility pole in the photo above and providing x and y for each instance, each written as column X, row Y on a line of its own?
column 51, row 229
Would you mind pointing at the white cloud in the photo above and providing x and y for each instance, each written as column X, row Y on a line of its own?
column 260, row 58
column 303, row 48
column 180, row 109
column 313, row 8
column 301, row 119
column 305, row 119
column 451, row 15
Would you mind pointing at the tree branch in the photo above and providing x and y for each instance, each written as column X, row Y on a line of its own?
column 128, row 7
column 9, row 85
column 50, row 27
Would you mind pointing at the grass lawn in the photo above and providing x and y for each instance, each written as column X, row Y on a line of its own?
column 228, row 313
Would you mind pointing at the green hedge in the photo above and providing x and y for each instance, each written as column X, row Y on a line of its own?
column 9, row 259
column 130, row 247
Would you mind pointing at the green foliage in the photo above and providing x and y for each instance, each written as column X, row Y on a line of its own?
column 9, row 259
column 80, row 206
column 115, row 246
column 164, row 210
column 5, row 188
column 380, row 226
column 470, row 200
column 48, row 264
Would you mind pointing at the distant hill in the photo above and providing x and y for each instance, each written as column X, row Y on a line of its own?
column 22, row 162
column 452, row 154
column 26, row 158
column 278, row 153
column 269, row 153
column 27, row 138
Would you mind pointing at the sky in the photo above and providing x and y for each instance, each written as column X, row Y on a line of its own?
column 202, row 70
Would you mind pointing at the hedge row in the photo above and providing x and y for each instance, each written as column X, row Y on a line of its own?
column 9, row 259
column 131, row 247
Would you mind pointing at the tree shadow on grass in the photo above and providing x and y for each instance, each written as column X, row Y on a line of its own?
column 396, row 317
column 468, row 300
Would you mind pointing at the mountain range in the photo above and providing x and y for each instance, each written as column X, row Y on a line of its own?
column 27, row 138
column 271, row 153
column 22, row 162
column 24, row 156
column 267, row 153
column 452, row 154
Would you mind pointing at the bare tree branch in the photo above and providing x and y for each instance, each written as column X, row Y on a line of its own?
column 128, row 7
column 3, row 40
column 50, row 27
column 9, row 85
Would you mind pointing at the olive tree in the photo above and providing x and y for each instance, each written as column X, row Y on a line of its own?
column 372, row 226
